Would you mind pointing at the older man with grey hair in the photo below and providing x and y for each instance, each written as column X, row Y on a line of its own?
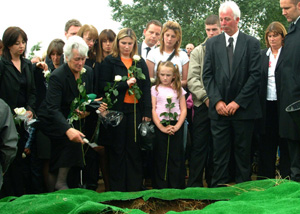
column 231, row 77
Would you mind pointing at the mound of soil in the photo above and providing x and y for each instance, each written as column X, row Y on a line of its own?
column 159, row 206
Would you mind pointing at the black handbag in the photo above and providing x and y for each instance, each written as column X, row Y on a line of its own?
column 147, row 135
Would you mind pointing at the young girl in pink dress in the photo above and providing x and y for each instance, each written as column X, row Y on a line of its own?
column 169, row 172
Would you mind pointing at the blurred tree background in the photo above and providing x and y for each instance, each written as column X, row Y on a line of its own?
column 256, row 15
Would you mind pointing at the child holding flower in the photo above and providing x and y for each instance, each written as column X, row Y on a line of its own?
column 169, row 107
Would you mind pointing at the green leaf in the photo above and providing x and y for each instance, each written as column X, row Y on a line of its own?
column 164, row 121
column 81, row 88
column 115, row 92
column 130, row 92
column 175, row 116
column 164, row 114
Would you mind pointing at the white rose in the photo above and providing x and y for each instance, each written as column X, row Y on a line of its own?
column 118, row 78
column 152, row 80
column 83, row 70
column 169, row 97
column 46, row 73
column 20, row 111
column 136, row 58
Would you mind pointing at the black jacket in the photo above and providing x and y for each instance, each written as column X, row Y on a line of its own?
column 241, row 85
column 287, row 76
column 113, row 66
column 10, row 86
column 62, row 89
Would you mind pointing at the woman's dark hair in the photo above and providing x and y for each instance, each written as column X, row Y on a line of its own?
column 10, row 37
column 55, row 45
column 106, row 34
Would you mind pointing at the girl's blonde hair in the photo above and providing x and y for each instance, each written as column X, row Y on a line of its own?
column 170, row 25
column 176, row 80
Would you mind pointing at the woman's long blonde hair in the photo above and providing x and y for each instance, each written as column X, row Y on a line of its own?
column 170, row 25
column 125, row 32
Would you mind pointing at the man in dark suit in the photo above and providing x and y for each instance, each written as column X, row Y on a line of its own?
column 287, row 76
column 151, row 33
column 231, row 77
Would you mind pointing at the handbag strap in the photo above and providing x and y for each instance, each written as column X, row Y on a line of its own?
column 171, row 56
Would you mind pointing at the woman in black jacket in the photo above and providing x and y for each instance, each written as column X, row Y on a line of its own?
column 125, row 164
column 17, row 89
column 268, row 91
column 66, row 151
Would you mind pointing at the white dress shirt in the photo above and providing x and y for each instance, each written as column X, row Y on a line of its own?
column 234, row 36
column 144, row 50
column 271, row 86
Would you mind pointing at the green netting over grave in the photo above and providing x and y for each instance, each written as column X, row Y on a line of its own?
column 266, row 196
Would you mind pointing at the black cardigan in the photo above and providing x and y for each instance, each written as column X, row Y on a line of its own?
column 113, row 66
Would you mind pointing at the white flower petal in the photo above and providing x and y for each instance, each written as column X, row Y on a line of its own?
column 118, row 78
column 83, row 70
column 136, row 58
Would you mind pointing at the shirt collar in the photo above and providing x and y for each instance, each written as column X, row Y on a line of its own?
column 144, row 45
column 295, row 22
column 269, row 51
column 234, row 36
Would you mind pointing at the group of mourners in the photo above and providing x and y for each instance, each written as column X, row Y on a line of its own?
column 215, row 107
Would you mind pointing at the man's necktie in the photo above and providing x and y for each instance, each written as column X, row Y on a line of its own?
column 292, row 27
column 148, row 49
column 230, row 53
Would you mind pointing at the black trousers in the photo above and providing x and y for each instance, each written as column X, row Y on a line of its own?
column 294, row 151
column 225, row 133
column 175, row 166
column 125, row 160
column 201, row 149
column 269, row 144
